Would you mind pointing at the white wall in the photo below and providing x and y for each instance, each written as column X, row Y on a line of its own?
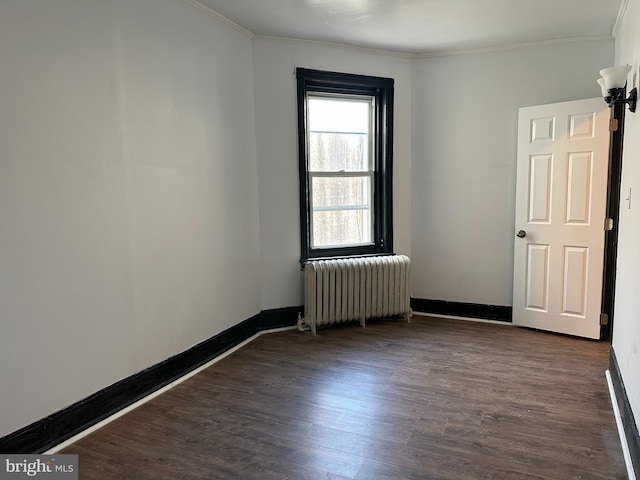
column 465, row 113
column 626, row 323
column 128, row 193
column 275, row 62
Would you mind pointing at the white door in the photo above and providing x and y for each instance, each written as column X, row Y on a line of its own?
column 561, row 190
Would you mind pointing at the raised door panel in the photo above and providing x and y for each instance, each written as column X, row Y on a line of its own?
column 578, row 188
column 540, row 186
column 574, row 293
column 537, row 283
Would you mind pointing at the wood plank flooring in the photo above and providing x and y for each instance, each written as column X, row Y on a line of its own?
column 432, row 399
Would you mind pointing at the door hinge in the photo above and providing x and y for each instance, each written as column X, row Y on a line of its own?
column 613, row 124
column 604, row 319
column 608, row 224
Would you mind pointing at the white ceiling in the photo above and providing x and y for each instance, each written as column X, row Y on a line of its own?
column 423, row 26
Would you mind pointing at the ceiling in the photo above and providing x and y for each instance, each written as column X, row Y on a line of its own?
column 423, row 26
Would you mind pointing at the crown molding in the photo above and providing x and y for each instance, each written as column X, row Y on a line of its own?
column 514, row 46
column 621, row 12
column 221, row 18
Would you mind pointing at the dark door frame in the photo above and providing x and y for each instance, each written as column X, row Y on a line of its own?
column 614, row 181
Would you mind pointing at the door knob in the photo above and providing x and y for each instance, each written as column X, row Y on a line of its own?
column 521, row 234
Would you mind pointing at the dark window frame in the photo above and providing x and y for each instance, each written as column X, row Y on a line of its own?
column 382, row 90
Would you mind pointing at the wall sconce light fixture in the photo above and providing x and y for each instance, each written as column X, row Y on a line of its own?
column 613, row 83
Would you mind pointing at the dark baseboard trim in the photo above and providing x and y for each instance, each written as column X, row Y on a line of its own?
column 48, row 432
column 279, row 317
column 628, row 420
column 500, row 313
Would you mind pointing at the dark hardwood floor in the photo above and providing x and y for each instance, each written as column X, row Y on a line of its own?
column 433, row 399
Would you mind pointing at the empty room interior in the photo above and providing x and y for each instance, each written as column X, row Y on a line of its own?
column 168, row 256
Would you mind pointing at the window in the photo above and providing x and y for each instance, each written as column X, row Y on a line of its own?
column 345, row 131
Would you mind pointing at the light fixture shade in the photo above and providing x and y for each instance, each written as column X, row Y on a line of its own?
column 615, row 77
column 603, row 87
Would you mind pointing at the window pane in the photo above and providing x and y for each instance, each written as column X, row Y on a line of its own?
column 341, row 211
column 339, row 114
column 341, row 191
column 334, row 152
column 340, row 228
column 339, row 134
